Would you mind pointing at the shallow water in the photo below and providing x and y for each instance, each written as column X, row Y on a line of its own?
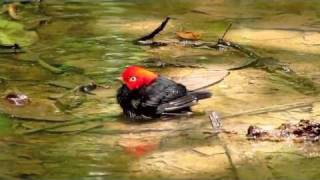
column 92, row 40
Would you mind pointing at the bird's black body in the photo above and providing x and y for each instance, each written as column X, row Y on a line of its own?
column 163, row 96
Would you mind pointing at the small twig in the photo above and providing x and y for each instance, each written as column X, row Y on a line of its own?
column 226, row 31
column 239, row 48
column 73, row 90
column 151, row 43
column 71, row 123
column 283, row 152
column 215, row 122
column 49, row 67
column 140, row 131
column 199, row 12
column 276, row 108
column 233, row 166
column 159, row 63
column 248, row 63
column 72, row 132
column 154, row 32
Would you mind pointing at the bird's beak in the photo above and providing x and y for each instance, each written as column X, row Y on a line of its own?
column 120, row 79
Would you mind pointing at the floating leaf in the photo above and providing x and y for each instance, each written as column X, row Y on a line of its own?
column 188, row 35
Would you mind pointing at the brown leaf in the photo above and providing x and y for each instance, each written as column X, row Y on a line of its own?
column 188, row 35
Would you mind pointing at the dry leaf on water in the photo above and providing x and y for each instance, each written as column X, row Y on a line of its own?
column 188, row 35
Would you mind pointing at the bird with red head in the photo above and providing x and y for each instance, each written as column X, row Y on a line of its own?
column 135, row 77
column 146, row 95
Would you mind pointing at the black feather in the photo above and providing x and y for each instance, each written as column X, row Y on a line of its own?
column 161, row 97
column 201, row 94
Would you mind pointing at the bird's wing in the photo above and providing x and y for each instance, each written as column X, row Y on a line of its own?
column 177, row 104
column 188, row 100
column 163, row 94
column 168, row 96
column 170, row 99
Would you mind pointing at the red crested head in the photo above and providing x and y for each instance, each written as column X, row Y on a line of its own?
column 136, row 77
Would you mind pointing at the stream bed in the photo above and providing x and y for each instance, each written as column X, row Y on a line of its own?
column 91, row 41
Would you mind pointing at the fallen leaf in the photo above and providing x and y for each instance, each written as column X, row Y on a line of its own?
column 188, row 35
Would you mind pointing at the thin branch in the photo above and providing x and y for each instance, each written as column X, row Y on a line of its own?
column 72, row 132
column 71, row 123
column 233, row 166
column 276, row 108
column 215, row 122
column 216, row 128
column 226, row 31
column 155, row 62
column 154, row 32
column 49, row 67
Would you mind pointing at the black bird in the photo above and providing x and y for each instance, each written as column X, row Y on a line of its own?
column 146, row 95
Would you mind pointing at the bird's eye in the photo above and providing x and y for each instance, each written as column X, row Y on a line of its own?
column 132, row 79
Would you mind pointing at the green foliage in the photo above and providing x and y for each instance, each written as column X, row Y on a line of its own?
column 12, row 32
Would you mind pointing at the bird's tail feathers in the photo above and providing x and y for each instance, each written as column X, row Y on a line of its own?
column 201, row 94
column 184, row 102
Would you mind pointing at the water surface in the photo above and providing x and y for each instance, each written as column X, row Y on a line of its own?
column 92, row 40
